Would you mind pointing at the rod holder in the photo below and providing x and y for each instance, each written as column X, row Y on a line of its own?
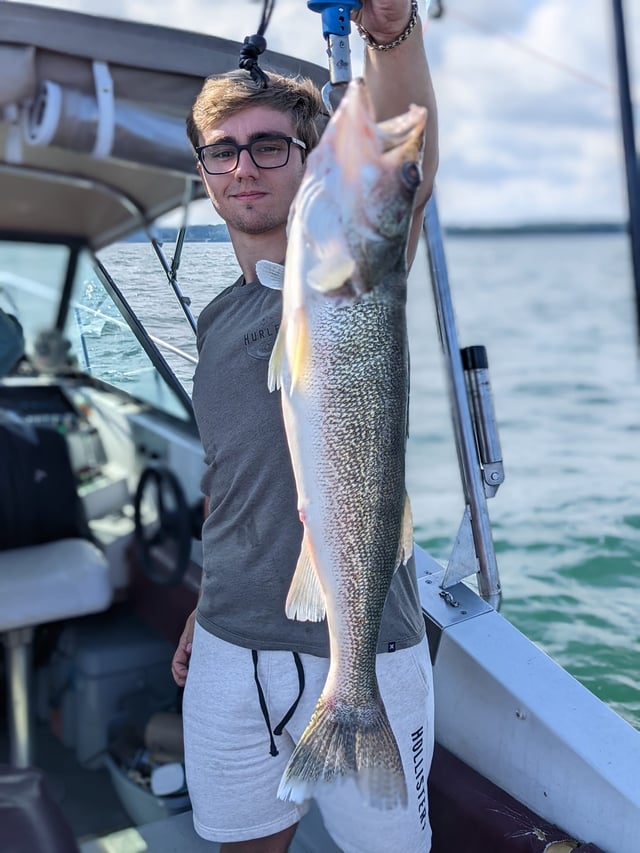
column 485, row 427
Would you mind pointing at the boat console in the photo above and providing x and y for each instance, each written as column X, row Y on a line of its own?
column 31, row 407
column 47, row 405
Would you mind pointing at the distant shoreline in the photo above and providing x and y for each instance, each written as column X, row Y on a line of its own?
column 219, row 233
column 546, row 229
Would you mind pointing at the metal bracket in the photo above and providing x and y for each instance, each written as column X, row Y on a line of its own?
column 336, row 29
column 463, row 561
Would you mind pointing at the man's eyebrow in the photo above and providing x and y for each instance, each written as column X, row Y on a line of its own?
column 259, row 134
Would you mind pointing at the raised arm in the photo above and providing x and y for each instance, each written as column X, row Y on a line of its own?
column 398, row 77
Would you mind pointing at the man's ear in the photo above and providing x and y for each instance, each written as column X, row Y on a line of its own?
column 202, row 173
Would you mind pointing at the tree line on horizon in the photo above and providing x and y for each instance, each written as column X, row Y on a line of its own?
column 220, row 234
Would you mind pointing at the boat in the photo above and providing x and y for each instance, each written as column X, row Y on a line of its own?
column 100, row 555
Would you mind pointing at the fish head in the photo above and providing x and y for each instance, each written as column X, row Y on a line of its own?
column 361, row 181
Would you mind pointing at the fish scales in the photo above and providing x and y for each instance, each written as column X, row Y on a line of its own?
column 341, row 360
column 361, row 426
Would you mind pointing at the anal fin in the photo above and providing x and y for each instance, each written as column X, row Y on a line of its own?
column 405, row 546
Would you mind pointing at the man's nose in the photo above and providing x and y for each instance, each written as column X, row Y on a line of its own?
column 245, row 166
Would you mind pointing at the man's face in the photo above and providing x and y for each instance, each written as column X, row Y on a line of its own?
column 249, row 199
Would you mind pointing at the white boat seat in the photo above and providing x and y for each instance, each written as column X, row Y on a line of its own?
column 39, row 584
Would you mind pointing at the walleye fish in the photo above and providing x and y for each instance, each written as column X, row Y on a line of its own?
column 341, row 362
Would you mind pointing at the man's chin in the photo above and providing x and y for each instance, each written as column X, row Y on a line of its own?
column 255, row 226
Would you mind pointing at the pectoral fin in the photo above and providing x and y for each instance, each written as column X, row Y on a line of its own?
column 270, row 274
column 332, row 272
column 305, row 600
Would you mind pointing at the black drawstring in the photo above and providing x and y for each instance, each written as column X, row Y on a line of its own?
column 263, row 705
column 280, row 727
column 255, row 45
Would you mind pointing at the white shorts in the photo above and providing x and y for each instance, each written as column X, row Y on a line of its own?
column 233, row 777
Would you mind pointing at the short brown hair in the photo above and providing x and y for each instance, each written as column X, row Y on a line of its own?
column 223, row 95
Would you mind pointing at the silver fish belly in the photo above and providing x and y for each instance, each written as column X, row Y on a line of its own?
column 341, row 362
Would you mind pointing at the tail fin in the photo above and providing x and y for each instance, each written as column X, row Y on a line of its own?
column 341, row 741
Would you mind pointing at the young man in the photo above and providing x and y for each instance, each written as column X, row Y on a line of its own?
column 253, row 675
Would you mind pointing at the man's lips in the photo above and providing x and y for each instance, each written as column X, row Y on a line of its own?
column 253, row 195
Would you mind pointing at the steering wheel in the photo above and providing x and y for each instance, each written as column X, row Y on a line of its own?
column 164, row 546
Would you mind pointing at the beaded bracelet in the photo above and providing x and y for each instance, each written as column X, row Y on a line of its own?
column 370, row 41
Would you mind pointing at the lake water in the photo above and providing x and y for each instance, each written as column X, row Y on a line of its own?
column 556, row 315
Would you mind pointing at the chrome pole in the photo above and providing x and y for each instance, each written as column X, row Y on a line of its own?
column 19, row 688
column 632, row 169
column 472, row 481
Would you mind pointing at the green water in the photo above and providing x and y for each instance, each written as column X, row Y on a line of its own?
column 557, row 317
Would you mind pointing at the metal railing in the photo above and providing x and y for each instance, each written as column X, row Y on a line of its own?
column 474, row 427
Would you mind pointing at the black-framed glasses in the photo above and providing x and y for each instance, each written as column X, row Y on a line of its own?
column 267, row 152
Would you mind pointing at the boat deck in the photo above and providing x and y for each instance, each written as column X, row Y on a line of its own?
column 86, row 798
column 490, row 821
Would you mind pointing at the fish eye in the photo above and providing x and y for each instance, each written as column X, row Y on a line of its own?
column 411, row 175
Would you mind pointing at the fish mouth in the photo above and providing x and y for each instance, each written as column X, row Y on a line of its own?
column 405, row 131
column 398, row 140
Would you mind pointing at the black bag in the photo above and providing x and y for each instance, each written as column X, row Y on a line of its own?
column 39, row 501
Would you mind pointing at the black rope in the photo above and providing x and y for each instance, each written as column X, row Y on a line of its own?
column 255, row 45
column 263, row 704
column 273, row 749
column 283, row 722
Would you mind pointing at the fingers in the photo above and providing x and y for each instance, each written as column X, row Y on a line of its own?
column 180, row 664
column 383, row 18
column 180, row 661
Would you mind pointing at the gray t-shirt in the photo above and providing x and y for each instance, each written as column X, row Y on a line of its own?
column 252, row 535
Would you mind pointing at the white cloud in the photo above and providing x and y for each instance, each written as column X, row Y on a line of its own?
column 526, row 91
column 528, row 112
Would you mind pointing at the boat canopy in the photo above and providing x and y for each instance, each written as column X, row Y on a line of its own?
column 92, row 119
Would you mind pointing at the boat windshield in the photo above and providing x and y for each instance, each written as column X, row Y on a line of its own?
column 97, row 336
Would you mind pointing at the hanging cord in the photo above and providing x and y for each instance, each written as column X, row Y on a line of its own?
column 263, row 703
column 255, row 45
column 283, row 722
column 273, row 749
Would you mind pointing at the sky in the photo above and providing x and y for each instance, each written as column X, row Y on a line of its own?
column 526, row 90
